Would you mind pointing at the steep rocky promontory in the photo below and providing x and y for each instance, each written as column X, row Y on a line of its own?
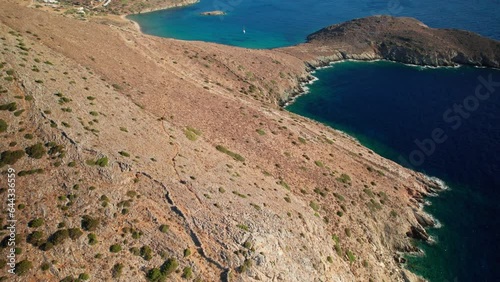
column 399, row 39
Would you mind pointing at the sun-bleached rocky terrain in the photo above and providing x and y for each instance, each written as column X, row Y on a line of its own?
column 141, row 158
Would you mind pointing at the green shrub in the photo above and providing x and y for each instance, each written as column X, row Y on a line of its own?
column 169, row 266
column 245, row 266
column 23, row 267
column 115, row 248
column 187, row 252
column 235, row 156
column 59, row 237
column 347, row 232
column 319, row 163
column 11, row 107
column 36, row 151
column 369, row 192
column 187, row 273
column 135, row 251
column 123, row 153
column 35, row 238
column 164, row 228
column 338, row 249
column 117, row 270
column 10, row 157
column 351, row 256
column 45, row 266
column 3, row 125
column 89, row 223
column 37, row 222
column 344, row 178
column 155, row 275
column 314, row 206
column 146, row 253
column 339, row 197
column 68, row 278
column 261, row 132
column 102, row 162
column 365, row 263
column 75, row 233
column 30, row 172
column 92, row 239
column 192, row 133
column 84, row 276
column 47, row 246
column 18, row 113
column 243, row 227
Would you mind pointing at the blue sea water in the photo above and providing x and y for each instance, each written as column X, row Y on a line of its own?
column 389, row 106
column 273, row 23
column 392, row 108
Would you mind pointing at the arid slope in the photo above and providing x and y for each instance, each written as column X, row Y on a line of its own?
column 138, row 132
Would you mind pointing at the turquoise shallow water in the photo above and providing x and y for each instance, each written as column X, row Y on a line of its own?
column 391, row 108
column 387, row 107
column 272, row 23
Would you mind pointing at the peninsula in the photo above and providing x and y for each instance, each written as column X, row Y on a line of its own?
column 154, row 159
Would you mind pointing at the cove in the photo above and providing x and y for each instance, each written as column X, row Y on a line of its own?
column 391, row 108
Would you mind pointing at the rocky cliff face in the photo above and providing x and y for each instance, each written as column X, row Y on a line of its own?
column 404, row 40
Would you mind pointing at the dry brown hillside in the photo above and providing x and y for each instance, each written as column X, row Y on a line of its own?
column 138, row 157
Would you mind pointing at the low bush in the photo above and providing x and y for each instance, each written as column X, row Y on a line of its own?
column 11, row 107
column 115, row 248
column 169, row 266
column 75, row 233
column 59, row 237
column 10, row 157
column 23, row 267
column 224, row 150
column 3, row 125
column 146, row 253
column 92, row 239
column 37, row 222
column 117, row 270
column 36, row 151
column 89, row 223
column 187, row 273
column 164, row 228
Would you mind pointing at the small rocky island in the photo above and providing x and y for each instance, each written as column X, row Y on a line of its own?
column 214, row 13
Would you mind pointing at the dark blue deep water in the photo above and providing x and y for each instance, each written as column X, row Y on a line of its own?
column 397, row 110
column 394, row 109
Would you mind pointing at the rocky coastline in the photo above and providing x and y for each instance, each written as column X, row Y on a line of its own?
column 275, row 224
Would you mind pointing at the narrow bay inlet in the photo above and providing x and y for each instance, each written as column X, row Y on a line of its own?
column 141, row 158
